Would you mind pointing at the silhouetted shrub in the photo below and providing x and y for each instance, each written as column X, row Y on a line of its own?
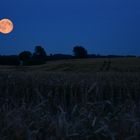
column 25, row 56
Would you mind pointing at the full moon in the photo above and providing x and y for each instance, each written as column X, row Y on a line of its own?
column 6, row 26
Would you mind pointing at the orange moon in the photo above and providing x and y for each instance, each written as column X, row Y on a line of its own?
column 6, row 26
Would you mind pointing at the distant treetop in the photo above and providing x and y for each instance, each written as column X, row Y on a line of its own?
column 80, row 52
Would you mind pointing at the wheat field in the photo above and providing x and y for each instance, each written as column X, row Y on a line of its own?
column 88, row 99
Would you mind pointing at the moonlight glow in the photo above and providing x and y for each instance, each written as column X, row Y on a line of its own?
column 6, row 26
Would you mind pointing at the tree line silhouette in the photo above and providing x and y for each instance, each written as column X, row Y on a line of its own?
column 39, row 56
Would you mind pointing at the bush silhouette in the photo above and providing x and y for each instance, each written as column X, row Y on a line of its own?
column 25, row 56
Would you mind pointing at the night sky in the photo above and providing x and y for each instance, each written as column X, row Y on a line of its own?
column 101, row 26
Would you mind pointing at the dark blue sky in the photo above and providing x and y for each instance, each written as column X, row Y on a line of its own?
column 101, row 26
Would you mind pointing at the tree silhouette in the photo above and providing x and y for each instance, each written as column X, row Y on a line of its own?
column 39, row 55
column 80, row 52
column 25, row 56
column 39, row 52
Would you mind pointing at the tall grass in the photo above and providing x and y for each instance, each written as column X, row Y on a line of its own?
column 69, row 106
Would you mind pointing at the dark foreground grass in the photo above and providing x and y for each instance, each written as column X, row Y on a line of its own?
column 69, row 106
